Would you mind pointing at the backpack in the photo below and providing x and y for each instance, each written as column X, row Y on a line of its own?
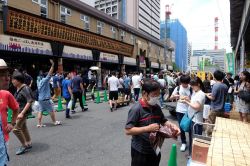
column 190, row 89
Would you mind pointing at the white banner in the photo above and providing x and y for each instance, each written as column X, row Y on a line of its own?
column 155, row 65
column 77, row 53
column 129, row 61
column 106, row 57
column 18, row 44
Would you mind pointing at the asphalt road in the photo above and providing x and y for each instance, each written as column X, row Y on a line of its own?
column 92, row 138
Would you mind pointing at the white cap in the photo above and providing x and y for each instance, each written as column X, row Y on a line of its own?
column 3, row 64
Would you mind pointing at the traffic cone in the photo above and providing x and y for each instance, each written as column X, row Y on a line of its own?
column 45, row 113
column 98, row 99
column 60, row 106
column 105, row 96
column 84, row 101
column 173, row 160
column 10, row 112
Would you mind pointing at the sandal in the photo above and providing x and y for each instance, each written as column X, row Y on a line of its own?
column 57, row 123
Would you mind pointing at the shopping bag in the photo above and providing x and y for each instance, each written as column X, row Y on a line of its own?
column 69, row 106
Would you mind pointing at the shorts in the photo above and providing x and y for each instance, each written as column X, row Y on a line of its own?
column 113, row 95
column 127, row 91
column 46, row 105
column 120, row 90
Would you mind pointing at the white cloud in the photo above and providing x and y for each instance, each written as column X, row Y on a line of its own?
column 197, row 16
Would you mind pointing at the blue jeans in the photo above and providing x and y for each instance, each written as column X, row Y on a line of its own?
column 162, row 97
column 183, row 135
column 197, row 130
column 67, row 109
column 136, row 93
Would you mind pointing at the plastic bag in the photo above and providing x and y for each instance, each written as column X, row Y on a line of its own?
column 35, row 106
column 69, row 106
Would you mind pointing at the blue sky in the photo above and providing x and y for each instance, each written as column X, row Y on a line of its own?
column 198, row 18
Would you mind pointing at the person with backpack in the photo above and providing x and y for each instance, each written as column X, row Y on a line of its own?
column 180, row 92
column 24, row 98
column 144, row 118
column 163, row 85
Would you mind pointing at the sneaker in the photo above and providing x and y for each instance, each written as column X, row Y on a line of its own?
column 21, row 150
column 85, row 109
column 183, row 147
column 162, row 107
column 40, row 125
column 111, row 109
column 57, row 123
column 73, row 112
column 68, row 117
column 29, row 146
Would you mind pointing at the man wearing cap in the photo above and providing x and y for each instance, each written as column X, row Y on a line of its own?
column 7, row 100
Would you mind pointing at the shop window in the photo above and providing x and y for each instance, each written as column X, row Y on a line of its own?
column 85, row 19
column 113, row 30
column 123, row 35
column 100, row 27
column 64, row 13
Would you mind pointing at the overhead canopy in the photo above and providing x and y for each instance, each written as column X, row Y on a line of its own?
column 236, row 10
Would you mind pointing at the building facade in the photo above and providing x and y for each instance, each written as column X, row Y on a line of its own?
column 178, row 34
column 217, row 57
column 141, row 14
column 189, row 55
column 80, row 36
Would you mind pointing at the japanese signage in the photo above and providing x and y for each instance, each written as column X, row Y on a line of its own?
column 77, row 53
column 17, row 44
column 19, row 22
column 142, row 61
column 129, row 61
column 155, row 65
column 106, row 57
column 230, row 63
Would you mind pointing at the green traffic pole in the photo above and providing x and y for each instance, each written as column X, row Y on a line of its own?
column 60, row 106
column 173, row 156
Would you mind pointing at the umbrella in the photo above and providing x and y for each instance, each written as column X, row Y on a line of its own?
column 94, row 68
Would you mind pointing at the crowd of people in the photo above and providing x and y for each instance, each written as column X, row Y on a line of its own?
column 201, row 101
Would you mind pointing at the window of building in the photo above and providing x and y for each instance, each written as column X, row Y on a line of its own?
column 36, row 1
column 132, row 37
column 123, row 35
column 114, row 2
column 43, row 7
column 113, row 30
column 103, row 10
column 115, row 15
column 64, row 12
column 114, row 9
column 108, row 10
column 100, row 27
column 85, row 19
column 108, row 4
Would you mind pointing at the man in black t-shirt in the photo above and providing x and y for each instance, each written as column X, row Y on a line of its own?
column 143, row 118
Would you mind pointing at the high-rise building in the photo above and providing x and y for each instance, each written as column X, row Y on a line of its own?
column 141, row 14
column 189, row 53
column 217, row 56
column 178, row 34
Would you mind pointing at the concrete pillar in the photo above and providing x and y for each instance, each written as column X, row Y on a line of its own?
column 123, row 67
column 60, row 65
column 242, row 55
column 99, row 74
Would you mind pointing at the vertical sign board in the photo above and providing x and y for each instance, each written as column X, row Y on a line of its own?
column 230, row 63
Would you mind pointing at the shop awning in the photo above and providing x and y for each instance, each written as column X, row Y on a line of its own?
column 154, row 65
column 129, row 61
column 107, row 57
column 77, row 53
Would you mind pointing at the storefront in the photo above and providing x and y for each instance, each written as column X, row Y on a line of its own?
column 155, row 67
column 130, row 65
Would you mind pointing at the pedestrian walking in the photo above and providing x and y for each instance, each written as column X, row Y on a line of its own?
column 195, row 108
column 77, row 91
column 230, row 84
column 44, row 98
column 241, row 105
column 113, row 83
column 121, row 85
column 179, row 93
column 145, row 117
column 67, row 92
column 136, row 85
column 218, row 99
column 56, row 86
column 7, row 101
column 24, row 98
column 163, row 85
column 127, row 87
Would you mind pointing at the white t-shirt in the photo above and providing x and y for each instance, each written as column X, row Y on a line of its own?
column 120, row 83
column 200, row 98
column 181, row 107
column 162, row 82
column 113, row 83
column 136, row 80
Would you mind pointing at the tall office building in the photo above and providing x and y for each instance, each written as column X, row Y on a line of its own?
column 217, row 56
column 141, row 14
column 178, row 34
